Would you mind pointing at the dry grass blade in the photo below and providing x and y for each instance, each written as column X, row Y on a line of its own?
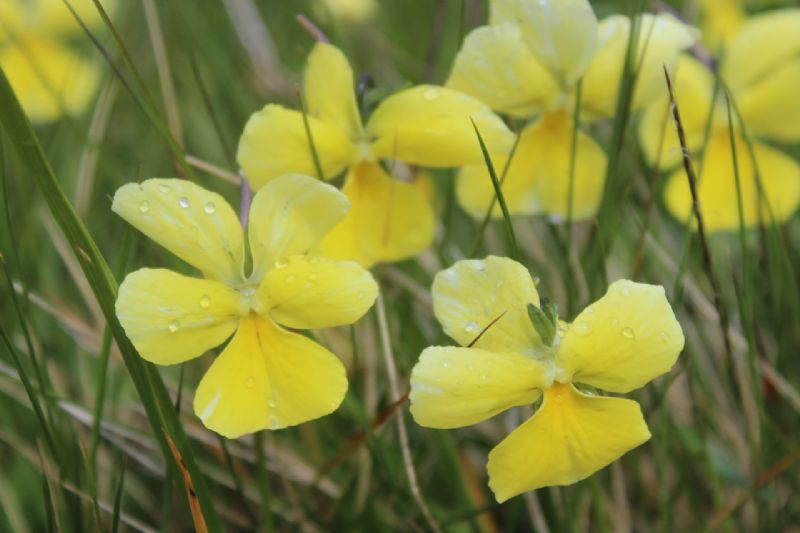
column 194, row 504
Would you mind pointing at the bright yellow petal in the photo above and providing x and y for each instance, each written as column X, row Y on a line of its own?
column 472, row 294
column 307, row 292
column 455, row 387
column 623, row 340
column 661, row 39
column 571, row 436
column 329, row 89
column 764, row 43
column 430, row 126
column 274, row 142
column 391, row 219
column 269, row 378
column 288, row 216
column 780, row 177
column 771, row 107
column 49, row 80
column 720, row 21
column 172, row 318
column 561, row 33
column 694, row 89
column 195, row 224
column 537, row 180
column 494, row 66
column 12, row 19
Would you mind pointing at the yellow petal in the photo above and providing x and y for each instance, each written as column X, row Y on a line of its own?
column 270, row 378
column 329, row 89
column 537, row 180
column 561, row 33
column 720, row 21
column 306, row 292
column 472, row 294
column 623, row 340
column 288, row 216
column 780, row 177
column 694, row 89
column 455, row 387
column 429, row 125
column 391, row 219
column 495, row 67
column 763, row 44
column 49, row 80
column 571, row 436
column 195, row 224
column 770, row 107
column 12, row 19
column 274, row 142
column 661, row 39
column 172, row 318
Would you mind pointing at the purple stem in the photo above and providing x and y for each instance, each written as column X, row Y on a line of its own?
column 244, row 212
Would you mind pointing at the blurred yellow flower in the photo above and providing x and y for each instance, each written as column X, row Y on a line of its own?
column 49, row 78
column 267, row 376
column 426, row 125
column 527, row 63
column 617, row 344
column 347, row 10
column 720, row 20
column 761, row 68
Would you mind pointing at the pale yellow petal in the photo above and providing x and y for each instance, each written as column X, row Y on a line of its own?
column 570, row 437
column 494, row 66
column 694, row 91
column 268, row 378
column 329, row 89
column 561, row 33
column 288, row 216
column 720, row 21
column 171, row 318
column 661, row 39
column 770, row 107
column 764, row 43
column 307, row 292
column 391, row 219
column 195, row 224
column 537, row 180
column 623, row 340
column 455, row 387
column 49, row 79
column 432, row 126
column 780, row 178
column 474, row 294
column 275, row 142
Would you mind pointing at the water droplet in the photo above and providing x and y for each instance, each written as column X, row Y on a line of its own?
column 281, row 263
column 183, row 202
column 163, row 189
column 445, row 363
column 430, row 93
column 205, row 301
column 480, row 266
column 251, row 382
column 484, row 377
column 210, row 208
column 290, row 278
column 664, row 336
column 144, row 207
column 583, row 328
column 615, row 321
column 174, row 326
column 273, row 422
column 628, row 333
column 450, row 274
column 471, row 327
column 272, row 403
column 626, row 291
column 312, row 276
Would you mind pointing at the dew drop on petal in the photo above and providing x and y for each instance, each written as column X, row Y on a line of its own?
column 251, row 382
column 471, row 327
column 144, row 207
column 664, row 336
column 615, row 321
column 273, row 422
column 628, row 333
column 312, row 276
column 205, row 301
column 163, row 189
column 626, row 291
column 210, row 208
column 272, row 404
column 281, row 263
column 183, row 202
column 582, row 328
column 430, row 93
column 174, row 326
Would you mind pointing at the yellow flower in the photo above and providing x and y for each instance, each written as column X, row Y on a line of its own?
column 348, row 11
column 527, row 63
column 761, row 67
column 617, row 344
column 720, row 20
column 267, row 376
column 49, row 78
column 426, row 125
